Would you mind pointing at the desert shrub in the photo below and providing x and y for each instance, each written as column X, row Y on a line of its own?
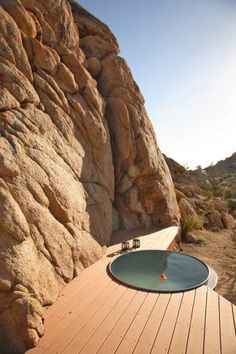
column 207, row 193
column 218, row 191
column 194, row 222
column 201, row 212
column 228, row 194
column 232, row 204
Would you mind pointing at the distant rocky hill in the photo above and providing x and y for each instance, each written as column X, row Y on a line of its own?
column 206, row 197
column 222, row 177
column 219, row 179
column 223, row 167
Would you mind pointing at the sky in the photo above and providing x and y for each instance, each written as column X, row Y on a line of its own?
column 182, row 54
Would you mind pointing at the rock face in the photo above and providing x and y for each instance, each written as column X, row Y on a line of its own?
column 78, row 157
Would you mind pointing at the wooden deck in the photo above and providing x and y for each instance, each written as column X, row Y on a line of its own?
column 95, row 314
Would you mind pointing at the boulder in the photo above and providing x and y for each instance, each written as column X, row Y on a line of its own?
column 188, row 190
column 220, row 205
column 186, row 209
column 214, row 220
column 78, row 157
column 179, row 195
column 94, row 66
column 194, row 236
column 228, row 220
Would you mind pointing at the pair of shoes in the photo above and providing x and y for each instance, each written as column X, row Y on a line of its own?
column 125, row 245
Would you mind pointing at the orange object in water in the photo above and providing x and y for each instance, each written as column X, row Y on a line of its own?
column 163, row 277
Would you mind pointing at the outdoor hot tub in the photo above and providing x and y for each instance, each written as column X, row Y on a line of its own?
column 159, row 271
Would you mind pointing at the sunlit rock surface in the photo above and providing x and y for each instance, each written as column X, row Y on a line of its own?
column 78, row 157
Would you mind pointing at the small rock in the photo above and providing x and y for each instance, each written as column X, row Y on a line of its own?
column 228, row 220
column 94, row 66
column 193, row 237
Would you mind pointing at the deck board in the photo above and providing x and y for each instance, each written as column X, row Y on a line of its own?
column 197, row 326
column 212, row 328
column 105, row 328
column 76, row 286
column 131, row 337
column 96, row 314
column 227, row 330
column 101, row 322
column 58, row 325
column 121, row 296
column 119, row 330
column 165, row 332
column 77, row 324
column 81, row 297
column 180, row 336
column 152, row 326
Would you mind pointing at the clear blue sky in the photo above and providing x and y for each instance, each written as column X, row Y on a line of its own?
column 182, row 54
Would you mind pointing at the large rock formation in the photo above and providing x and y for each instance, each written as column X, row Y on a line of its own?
column 78, row 157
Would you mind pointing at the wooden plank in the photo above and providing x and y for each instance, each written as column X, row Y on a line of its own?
column 148, row 335
column 103, row 331
column 76, row 285
column 179, row 340
column 110, row 312
column 67, row 315
column 227, row 329
column 69, row 306
column 132, row 336
column 119, row 330
column 88, row 312
column 212, row 330
column 165, row 332
column 197, row 327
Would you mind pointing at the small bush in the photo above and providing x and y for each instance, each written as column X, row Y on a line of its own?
column 217, row 191
column 228, row 194
column 232, row 204
column 194, row 222
column 207, row 194
column 201, row 212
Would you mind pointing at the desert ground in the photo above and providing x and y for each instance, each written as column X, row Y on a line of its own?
column 218, row 250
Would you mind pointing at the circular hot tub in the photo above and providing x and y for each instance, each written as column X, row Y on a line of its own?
column 159, row 271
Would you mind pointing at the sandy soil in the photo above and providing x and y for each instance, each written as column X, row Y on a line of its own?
column 218, row 249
